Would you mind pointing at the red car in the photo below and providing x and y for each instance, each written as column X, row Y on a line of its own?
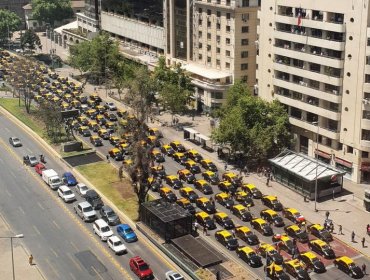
column 39, row 168
column 141, row 268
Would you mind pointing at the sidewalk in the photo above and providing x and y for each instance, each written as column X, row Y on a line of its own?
column 22, row 269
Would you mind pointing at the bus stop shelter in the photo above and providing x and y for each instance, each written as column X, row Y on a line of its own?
column 300, row 172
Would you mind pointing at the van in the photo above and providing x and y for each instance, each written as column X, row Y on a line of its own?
column 102, row 229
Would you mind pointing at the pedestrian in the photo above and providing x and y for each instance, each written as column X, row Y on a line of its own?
column 107, row 156
column 205, row 230
column 225, row 167
column 363, row 242
column 327, row 213
column 268, row 181
column 30, row 260
column 363, row 268
column 340, row 230
column 353, row 235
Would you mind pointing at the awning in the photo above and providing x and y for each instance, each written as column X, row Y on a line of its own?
column 190, row 130
column 343, row 162
column 205, row 72
column 203, row 137
column 322, row 154
column 365, row 166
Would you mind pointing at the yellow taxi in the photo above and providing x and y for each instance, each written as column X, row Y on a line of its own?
column 90, row 113
column 154, row 184
column 167, row 149
column 348, row 266
column 55, row 99
column 123, row 123
column 173, row 181
column 232, row 178
column 95, row 97
column 293, row 215
column 186, row 175
column 205, row 220
column 84, row 131
column 226, row 239
column 68, row 98
column 90, row 103
column 180, row 158
column 224, row 220
column 157, row 156
column 96, row 141
column 65, row 106
column 241, row 212
column 103, row 133
column 185, row 203
column 100, row 119
column 320, row 232
column 48, row 96
column 76, row 104
column 272, row 202
column 152, row 140
column 224, row 199
column 244, row 233
column 121, row 112
column 153, row 131
column 38, row 98
column 167, row 194
column 284, row 242
column 203, row 186
column 101, row 109
column 226, row 186
column 253, row 190
column 110, row 125
column 127, row 162
column 114, row 140
column 123, row 146
column 312, row 262
column 92, row 123
column 208, row 165
column 158, row 171
column 115, row 152
column 205, row 204
column 272, row 217
column 194, row 155
column 322, row 248
column 262, row 227
column 178, row 147
column 248, row 255
column 264, row 248
column 296, row 269
column 189, row 193
column 244, row 198
column 296, row 232
column 192, row 166
column 210, row 177
column 276, row 272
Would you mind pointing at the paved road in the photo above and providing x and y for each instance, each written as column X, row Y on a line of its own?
column 62, row 245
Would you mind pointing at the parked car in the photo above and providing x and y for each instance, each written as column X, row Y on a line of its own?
column 15, row 142
column 94, row 199
column 110, row 106
column 312, row 262
column 66, row 194
column 116, row 245
column 322, row 248
column 173, row 275
column 85, row 211
column 226, row 239
column 102, row 229
column 249, row 255
column 296, row 269
column 81, row 189
column 126, row 232
column 69, row 179
column 108, row 215
column 348, row 266
column 320, row 232
column 296, row 232
column 30, row 160
column 39, row 168
column 141, row 268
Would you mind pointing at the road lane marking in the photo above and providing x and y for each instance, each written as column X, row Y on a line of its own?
column 9, row 194
column 93, row 268
column 74, row 246
column 75, row 262
column 39, row 204
column 53, row 251
column 55, row 223
column 1, row 160
column 12, row 173
column 29, row 150
column 21, row 210
column 7, row 129
column 52, row 268
column 72, row 276
column 36, row 229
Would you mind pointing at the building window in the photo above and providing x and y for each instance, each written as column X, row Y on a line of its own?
column 349, row 149
column 227, row 53
column 245, row 42
column 218, row 62
column 364, row 154
column 368, row 42
column 200, row 10
column 209, row 59
column 245, row 17
column 208, row 47
column 244, row 66
column 200, row 45
column 228, row 2
column 245, row 3
column 367, row 78
column 209, row 12
column 209, row 36
column 218, row 50
column 216, row 95
column 200, row 34
column 218, row 39
column 227, row 41
column 228, row 15
column 245, row 29
column 208, row 24
column 218, row 26
column 227, row 65
column 200, row 57
column 244, row 54
column 228, row 28
column 200, row 22
column 218, row 13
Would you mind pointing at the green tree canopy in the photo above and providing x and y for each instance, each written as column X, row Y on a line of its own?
column 30, row 40
column 9, row 22
column 51, row 11
column 250, row 125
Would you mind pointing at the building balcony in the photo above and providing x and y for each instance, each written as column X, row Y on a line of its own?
column 306, row 90
column 304, row 106
column 306, row 56
column 216, row 86
column 308, row 74
column 307, row 40
column 310, row 127
column 311, row 23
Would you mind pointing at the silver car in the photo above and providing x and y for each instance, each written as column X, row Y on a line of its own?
column 15, row 142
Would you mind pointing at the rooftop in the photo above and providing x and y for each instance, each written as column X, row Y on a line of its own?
column 166, row 211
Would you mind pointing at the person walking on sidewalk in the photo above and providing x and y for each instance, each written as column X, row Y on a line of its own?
column 205, row 230
column 340, row 230
column 353, row 235
column 225, row 167
column 30, row 259
column 363, row 242
column 327, row 213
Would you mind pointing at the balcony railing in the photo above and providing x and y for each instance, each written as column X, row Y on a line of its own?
column 296, row 32
column 304, row 50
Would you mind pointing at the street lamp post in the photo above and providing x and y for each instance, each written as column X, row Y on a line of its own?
column 317, row 161
column 11, row 247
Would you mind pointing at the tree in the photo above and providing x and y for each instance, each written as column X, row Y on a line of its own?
column 30, row 40
column 250, row 125
column 51, row 116
column 9, row 22
column 51, row 11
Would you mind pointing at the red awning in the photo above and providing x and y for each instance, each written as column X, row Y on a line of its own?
column 323, row 154
column 365, row 166
column 343, row 162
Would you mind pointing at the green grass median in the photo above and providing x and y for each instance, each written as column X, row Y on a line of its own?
column 104, row 177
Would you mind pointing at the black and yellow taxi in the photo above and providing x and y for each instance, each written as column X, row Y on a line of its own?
column 84, row 131
column 68, row 98
column 76, row 104
column 100, row 119
column 110, row 126
column 82, row 120
column 208, row 165
column 211, row 177
column 121, row 112
column 276, row 272
column 56, row 100
column 320, row 232
column 157, row 156
column 224, row 199
column 244, row 198
column 167, row 150
column 265, row 249
column 103, row 133
column 173, row 181
column 90, row 103
column 194, row 155
column 241, row 212
column 226, row 239
column 82, row 98
column 244, row 233
column 158, row 171
column 322, row 248
column 262, row 226
column 205, row 204
column 284, row 242
column 189, row 193
column 155, row 132
column 348, row 266
column 296, row 232
column 253, row 190
column 272, row 202
column 110, row 116
column 116, row 154
column 96, row 141
column 127, row 163
column 312, row 262
column 154, row 184
column 293, row 215
column 167, row 194
column 186, row 176
column 296, row 269
column 178, row 147
column 232, row 178
column 272, row 217
column 203, row 186
column 153, row 141
column 123, row 123
column 38, row 98
column 94, row 126
column 95, row 97
column 205, row 220
column 101, row 109
column 180, row 158
column 226, row 186
column 223, row 220
column 65, row 106
column 114, row 140
column 248, row 255
column 186, row 204
column 91, row 123
column 192, row 166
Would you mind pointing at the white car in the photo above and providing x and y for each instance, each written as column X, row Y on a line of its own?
column 81, row 189
column 102, row 229
column 15, row 142
column 110, row 106
column 173, row 275
column 116, row 245
column 66, row 194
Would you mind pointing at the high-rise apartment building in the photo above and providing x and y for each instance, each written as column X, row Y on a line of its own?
column 214, row 40
column 314, row 56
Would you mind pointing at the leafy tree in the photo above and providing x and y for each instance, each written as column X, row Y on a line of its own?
column 51, row 116
column 9, row 22
column 51, row 11
column 250, row 125
column 30, row 40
